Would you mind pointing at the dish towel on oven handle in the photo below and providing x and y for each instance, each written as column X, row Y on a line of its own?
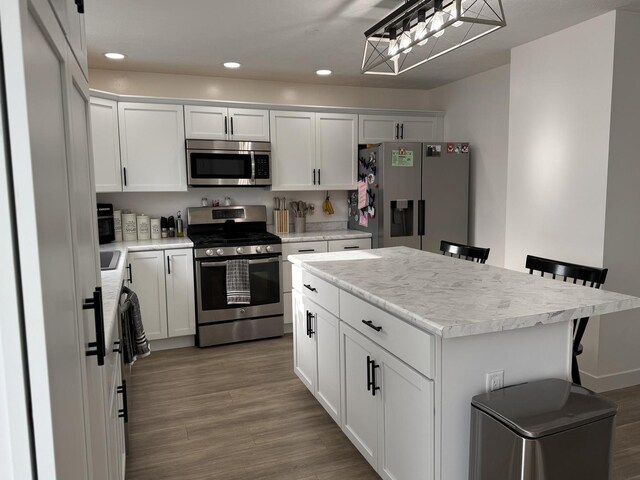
column 238, row 286
column 134, row 341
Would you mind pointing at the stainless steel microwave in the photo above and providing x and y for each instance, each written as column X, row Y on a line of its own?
column 220, row 162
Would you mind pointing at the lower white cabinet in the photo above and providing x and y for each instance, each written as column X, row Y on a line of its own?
column 115, row 391
column 317, row 353
column 163, row 281
column 388, row 410
column 349, row 244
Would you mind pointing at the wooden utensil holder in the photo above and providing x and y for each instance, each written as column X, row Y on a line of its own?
column 281, row 221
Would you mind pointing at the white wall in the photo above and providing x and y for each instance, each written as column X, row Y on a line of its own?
column 258, row 91
column 477, row 111
column 559, row 118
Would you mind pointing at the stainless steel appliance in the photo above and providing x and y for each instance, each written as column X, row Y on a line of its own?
column 416, row 194
column 220, row 234
column 106, row 227
column 221, row 162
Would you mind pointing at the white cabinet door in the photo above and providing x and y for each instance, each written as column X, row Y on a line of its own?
column 419, row 129
column 327, row 333
column 106, row 145
column 377, row 128
column 293, row 150
column 406, row 428
column 152, row 147
column 351, row 244
column 359, row 405
column 148, row 281
column 210, row 123
column 250, row 125
column 304, row 354
column 180, row 292
column 336, row 150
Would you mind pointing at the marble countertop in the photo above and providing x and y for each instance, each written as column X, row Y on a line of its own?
column 112, row 279
column 323, row 235
column 452, row 298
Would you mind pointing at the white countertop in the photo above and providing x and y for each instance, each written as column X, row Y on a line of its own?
column 112, row 279
column 451, row 297
column 322, row 236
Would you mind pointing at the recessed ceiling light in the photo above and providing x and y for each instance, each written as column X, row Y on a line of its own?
column 115, row 56
column 323, row 72
column 231, row 64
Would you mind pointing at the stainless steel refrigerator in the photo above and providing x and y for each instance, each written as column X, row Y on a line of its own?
column 416, row 194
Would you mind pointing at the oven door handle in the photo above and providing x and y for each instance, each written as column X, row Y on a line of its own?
column 251, row 262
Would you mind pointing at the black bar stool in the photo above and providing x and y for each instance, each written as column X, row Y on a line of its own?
column 475, row 254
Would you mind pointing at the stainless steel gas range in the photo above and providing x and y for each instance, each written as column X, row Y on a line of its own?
column 221, row 234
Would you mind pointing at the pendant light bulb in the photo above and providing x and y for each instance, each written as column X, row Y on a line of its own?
column 421, row 29
column 405, row 38
column 393, row 44
column 436, row 23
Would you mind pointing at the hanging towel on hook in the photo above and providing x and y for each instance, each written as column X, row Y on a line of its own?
column 134, row 341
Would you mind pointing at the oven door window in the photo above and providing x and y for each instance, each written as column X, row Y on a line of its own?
column 264, row 279
column 220, row 165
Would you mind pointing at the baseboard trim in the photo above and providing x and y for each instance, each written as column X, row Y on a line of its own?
column 612, row 381
column 174, row 342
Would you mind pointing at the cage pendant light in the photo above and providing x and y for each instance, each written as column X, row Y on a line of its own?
column 420, row 30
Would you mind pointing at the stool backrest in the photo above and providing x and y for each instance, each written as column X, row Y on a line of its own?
column 476, row 254
column 580, row 274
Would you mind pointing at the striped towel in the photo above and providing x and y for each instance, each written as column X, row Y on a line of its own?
column 134, row 341
column 238, row 286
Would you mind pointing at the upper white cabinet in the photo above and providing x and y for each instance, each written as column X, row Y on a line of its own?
column 152, row 147
column 382, row 128
column 221, row 123
column 313, row 151
column 72, row 22
column 106, row 145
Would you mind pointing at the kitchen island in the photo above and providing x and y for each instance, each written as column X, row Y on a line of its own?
column 394, row 342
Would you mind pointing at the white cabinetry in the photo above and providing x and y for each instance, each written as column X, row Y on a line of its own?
column 72, row 22
column 115, row 391
column 106, row 145
column 349, row 244
column 222, row 123
column 383, row 128
column 152, row 147
column 313, row 151
column 163, row 281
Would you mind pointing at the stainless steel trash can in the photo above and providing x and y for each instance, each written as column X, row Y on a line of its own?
column 545, row 430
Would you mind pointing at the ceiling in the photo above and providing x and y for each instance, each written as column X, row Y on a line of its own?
column 288, row 40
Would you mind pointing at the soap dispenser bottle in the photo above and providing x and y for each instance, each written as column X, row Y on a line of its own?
column 179, row 225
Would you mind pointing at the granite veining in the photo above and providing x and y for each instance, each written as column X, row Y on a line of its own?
column 323, row 236
column 112, row 279
column 451, row 297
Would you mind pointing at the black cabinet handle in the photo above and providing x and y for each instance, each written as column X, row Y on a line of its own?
column 310, row 287
column 397, row 131
column 319, row 183
column 310, row 330
column 351, row 247
column 314, row 176
column 124, row 171
column 95, row 303
column 307, row 250
column 80, row 6
column 117, row 347
column 225, row 125
column 402, row 131
column 168, row 265
column 130, row 273
column 370, row 324
column 373, row 378
column 369, row 384
column 421, row 217
column 231, row 125
column 124, row 411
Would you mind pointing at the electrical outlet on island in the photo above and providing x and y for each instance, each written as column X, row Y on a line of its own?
column 495, row 380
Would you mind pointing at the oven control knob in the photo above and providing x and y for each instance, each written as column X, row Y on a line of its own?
column 240, row 250
column 208, row 252
column 260, row 249
column 269, row 248
column 219, row 251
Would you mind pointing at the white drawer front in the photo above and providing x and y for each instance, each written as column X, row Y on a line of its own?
column 321, row 292
column 300, row 248
column 351, row 244
column 405, row 341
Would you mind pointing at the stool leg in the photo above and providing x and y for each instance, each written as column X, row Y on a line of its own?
column 575, row 371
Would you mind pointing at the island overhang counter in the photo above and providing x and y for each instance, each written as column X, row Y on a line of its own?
column 394, row 342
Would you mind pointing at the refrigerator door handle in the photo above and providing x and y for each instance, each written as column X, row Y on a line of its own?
column 421, row 217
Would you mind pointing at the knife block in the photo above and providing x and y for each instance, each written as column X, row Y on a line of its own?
column 281, row 221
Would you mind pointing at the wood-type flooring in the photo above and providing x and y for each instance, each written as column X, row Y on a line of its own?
column 239, row 412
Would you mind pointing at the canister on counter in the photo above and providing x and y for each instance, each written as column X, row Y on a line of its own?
column 164, row 227
column 117, row 225
column 156, row 232
column 144, row 229
column 129, row 227
column 171, row 223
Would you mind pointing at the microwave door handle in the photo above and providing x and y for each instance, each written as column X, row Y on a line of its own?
column 253, row 168
column 251, row 262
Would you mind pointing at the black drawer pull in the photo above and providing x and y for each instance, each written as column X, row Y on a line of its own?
column 124, row 411
column 95, row 303
column 351, row 247
column 130, row 274
column 311, row 288
column 368, row 374
column 307, row 250
column 117, row 347
column 369, row 323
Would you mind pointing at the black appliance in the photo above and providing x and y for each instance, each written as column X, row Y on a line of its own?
column 106, row 227
column 220, row 234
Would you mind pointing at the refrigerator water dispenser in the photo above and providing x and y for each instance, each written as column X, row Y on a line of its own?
column 401, row 218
